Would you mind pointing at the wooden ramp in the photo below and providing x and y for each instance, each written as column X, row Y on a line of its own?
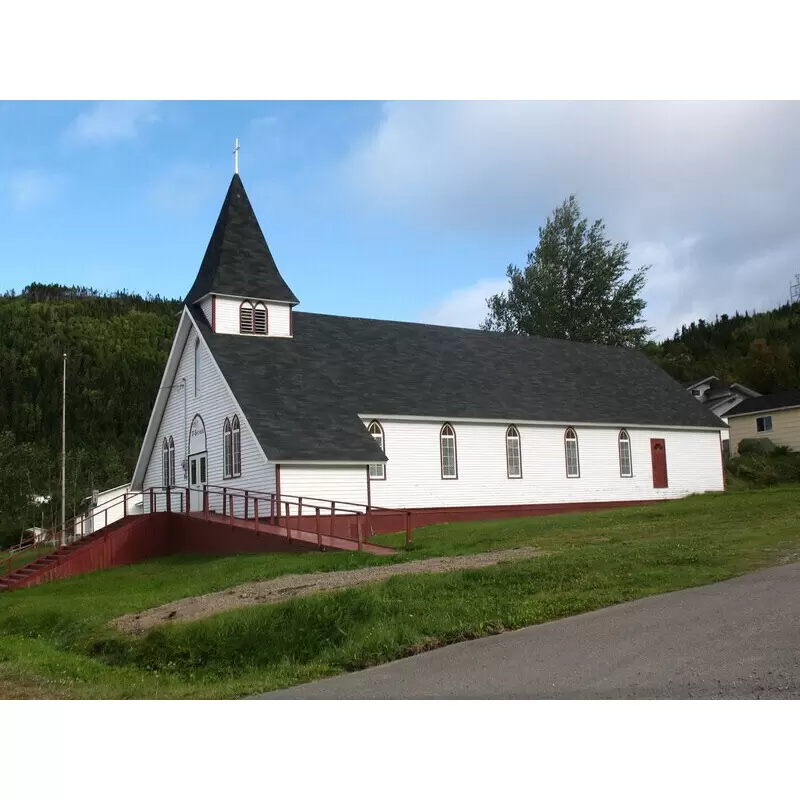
column 319, row 540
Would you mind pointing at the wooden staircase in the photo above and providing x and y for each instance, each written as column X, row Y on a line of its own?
column 21, row 576
column 138, row 537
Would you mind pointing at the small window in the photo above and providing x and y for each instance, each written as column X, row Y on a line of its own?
column 513, row 453
column 695, row 392
column 763, row 424
column 377, row 471
column 227, row 450
column 165, row 463
column 447, row 441
column 246, row 317
column 197, row 367
column 571, row 453
column 237, row 447
column 171, row 450
column 260, row 320
column 625, row 462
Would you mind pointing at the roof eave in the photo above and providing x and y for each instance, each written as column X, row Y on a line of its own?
column 764, row 411
column 702, row 380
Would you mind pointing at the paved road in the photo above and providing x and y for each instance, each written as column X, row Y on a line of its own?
column 737, row 639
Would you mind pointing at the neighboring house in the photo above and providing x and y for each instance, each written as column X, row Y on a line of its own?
column 259, row 396
column 37, row 534
column 103, row 508
column 771, row 416
column 719, row 397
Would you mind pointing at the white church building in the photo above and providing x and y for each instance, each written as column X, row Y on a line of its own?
column 257, row 395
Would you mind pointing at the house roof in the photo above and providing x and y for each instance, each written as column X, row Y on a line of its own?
column 719, row 394
column 767, row 402
column 303, row 395
column 692, row 384
column 717, row 390
column 238, row 261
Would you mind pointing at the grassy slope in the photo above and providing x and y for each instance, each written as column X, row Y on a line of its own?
column 57, row 643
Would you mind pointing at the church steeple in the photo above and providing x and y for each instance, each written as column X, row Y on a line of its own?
column 237, row 261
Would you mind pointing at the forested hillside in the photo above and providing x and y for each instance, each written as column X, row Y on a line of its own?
column 760, row 350
column 116, row 348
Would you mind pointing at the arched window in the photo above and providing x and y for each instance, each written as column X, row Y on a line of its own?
column 236, row 441
column 447, row 446
column 227, row 450
column 260, row 319
column 377, row 471
column 197, row 367
column 198, row 441
column 571, row 453
column 246, row 317
column 171, row 450
column 165, row 463
column 513, row 453
column 625, row 461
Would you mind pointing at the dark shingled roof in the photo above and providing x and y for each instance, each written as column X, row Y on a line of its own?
column 302, row 396
column 767, row 402
column 237, row 260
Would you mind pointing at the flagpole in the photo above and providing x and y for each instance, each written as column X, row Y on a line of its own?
column 64, row 454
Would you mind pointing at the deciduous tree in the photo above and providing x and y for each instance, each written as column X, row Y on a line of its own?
column 576, row 285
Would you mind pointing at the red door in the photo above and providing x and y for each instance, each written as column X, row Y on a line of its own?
column 658, row 455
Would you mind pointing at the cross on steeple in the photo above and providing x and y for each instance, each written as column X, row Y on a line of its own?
column 236, row 158
column 238, row 262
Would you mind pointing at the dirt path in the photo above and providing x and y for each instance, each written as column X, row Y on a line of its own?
column 289, row 586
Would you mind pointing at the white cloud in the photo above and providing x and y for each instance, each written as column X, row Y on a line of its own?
column 265, row 123
column 464, row 308
column 110, row 122
column 33, row 188
column 183, row 189
column 705, row 191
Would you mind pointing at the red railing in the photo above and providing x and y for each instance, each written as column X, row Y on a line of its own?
column 285, row 510
column 74, row 529
column 292, row 514
column 295, row 515
column 19, row 555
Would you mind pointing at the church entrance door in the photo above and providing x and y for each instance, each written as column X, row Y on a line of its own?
column 197, row 480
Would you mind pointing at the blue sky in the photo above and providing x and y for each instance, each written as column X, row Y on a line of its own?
column 126, row 195
column 403, row 210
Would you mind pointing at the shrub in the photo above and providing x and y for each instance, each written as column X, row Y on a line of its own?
column 752, row 446
column 781, row 465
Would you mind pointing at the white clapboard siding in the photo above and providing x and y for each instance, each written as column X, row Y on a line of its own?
column 112, row 505
column 227, row 316
column 346, row 484
column 413, row 472
column 214, row 402
column 205, row 307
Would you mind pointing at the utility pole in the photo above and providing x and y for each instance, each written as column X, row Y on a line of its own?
column 794, row 290
column 64, row 454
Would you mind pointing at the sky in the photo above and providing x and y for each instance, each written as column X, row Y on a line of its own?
column 405, row 210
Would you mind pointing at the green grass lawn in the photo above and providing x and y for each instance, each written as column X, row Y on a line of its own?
column 56, row 641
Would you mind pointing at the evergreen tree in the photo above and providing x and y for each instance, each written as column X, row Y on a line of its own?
column 117, row 346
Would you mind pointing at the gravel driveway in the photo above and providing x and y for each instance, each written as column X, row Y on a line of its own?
column 288, row 586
